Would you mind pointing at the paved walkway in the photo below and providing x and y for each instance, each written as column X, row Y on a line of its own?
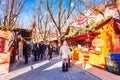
column 45, row 70
column 97, row 71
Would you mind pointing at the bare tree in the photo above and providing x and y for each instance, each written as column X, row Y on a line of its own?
column 11, row 10
column 63, row 12
column 42, row 20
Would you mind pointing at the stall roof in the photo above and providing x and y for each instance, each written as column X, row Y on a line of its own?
column 114, row 23
column 80, row 34
column 26, row 33
column 13, row 28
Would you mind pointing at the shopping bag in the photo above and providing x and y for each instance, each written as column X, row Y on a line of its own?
column 46, row 55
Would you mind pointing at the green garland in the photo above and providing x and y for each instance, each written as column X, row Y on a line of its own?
column 62, row 36
column 84, row 29
column 12, row 28
column 7, row 28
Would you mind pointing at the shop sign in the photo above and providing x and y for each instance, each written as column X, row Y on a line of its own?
column 97, row 42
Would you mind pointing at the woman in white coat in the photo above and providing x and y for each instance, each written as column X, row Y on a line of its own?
column 65, row 54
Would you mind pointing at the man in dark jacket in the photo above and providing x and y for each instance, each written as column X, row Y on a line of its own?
column 50, row 51
column 26, row 49
column 41, row 49
column 36, row 51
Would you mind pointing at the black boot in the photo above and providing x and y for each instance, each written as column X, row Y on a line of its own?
column 63, row 67
column 66, row 67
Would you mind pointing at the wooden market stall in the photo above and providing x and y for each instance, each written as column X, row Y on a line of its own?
column 9, row 44
column 107, row 41
column 97, row 45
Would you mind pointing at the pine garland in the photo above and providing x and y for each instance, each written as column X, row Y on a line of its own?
column 85, row 29
column 12, row 28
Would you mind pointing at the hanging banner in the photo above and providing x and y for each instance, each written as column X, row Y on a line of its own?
column 80, row 22
column 83, row 20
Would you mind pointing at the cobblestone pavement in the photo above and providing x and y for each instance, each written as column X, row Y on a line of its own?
column 46, row 70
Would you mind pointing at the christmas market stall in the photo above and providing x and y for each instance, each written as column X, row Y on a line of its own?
column 10, row 45
column 95, row 41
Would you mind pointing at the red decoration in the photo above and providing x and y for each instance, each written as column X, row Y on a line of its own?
column 83, row 36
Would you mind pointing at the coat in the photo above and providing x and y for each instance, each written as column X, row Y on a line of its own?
column 64, row 51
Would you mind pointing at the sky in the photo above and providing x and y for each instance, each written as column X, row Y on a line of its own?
column 26, row 15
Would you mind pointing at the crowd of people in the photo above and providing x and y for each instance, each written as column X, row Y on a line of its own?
column 40, row 49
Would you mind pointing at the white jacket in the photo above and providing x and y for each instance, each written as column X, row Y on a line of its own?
column 64, row 51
